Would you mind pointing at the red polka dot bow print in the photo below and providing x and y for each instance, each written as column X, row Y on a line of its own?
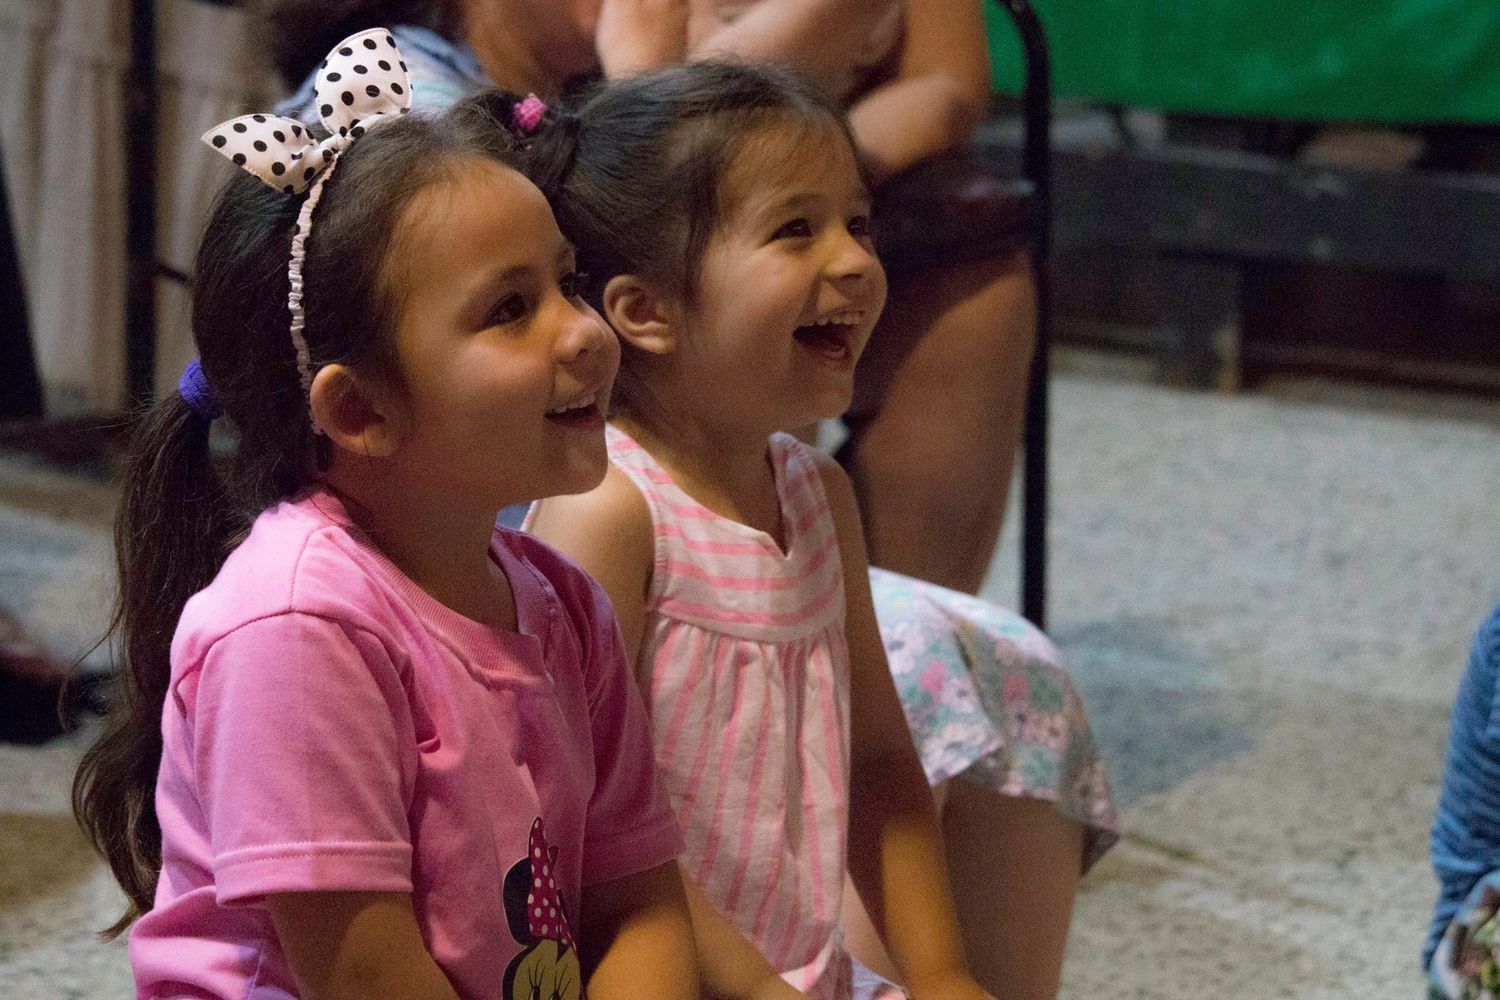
column 362, row 82
column 544, row 910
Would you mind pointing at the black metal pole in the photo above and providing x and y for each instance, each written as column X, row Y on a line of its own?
column 1037, row 161
column 20, row 388
column 140, row 205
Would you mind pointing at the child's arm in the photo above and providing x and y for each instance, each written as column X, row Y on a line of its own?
column 645, row 950
column 895, row 849
column 607, row 531
column 356, row 946
column 299, row 774
column 940, row 92
column 732, row 967
column 633, row 933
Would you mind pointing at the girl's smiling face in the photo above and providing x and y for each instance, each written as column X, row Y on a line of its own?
column 506, row 372
column 789, row 288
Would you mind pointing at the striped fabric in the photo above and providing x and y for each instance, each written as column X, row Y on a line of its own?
column 749, row 702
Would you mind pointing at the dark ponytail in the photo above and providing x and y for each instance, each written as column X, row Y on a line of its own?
column 192, row 489
column 550, row 154
column 162, row 561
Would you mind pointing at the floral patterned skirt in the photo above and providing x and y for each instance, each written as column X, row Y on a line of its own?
column 989, row 699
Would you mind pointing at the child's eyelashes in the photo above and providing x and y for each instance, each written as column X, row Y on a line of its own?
column 516, row 306
column 859, row 226
column 797, row 229
column 508, row 309
column 573, row 283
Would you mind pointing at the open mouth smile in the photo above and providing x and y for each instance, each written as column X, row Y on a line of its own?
column 832, row 337
column 581, row 413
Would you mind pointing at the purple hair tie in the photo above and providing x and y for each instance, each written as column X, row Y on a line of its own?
column 527, row 114
column 193, row 386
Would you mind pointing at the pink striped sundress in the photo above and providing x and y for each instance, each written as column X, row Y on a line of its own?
column 749, row 703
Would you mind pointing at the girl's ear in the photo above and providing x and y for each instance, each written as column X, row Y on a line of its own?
column 642, row 316
column 356, row 418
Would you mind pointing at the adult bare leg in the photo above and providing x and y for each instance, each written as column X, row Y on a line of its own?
column 936, row 420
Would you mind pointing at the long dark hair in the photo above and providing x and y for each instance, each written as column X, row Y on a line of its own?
column 300, row 32
column 189, row 499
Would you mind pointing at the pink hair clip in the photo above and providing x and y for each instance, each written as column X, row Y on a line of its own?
column 527, row 114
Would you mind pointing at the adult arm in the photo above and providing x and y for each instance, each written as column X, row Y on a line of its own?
column 636, row 36
column 939, row 93
column 932, row 103
column 895, row 848
column 812, row 36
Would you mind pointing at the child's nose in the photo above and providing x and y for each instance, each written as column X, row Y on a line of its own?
column 853, row 262
column 583, row 334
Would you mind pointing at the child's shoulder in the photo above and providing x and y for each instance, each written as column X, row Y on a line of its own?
column 792, row 450
column 301, row 557
column 616, row 505
column 573, row 585
column 609, row 524
column 581, row 601
column 799, row 459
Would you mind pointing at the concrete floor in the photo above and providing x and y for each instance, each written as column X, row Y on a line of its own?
column 1267, row 600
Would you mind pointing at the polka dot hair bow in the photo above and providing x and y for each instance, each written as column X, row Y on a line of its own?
column 362, row 83
column 362, row 80
column 544, row 913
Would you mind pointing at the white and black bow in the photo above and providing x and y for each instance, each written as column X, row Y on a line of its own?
column 362, row 82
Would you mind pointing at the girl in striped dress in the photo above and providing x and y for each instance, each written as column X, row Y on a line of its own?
column 734, row 553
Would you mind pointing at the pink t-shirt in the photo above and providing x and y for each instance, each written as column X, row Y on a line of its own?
column 331, row 726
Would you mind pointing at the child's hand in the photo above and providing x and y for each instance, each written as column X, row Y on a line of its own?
column 953, row 985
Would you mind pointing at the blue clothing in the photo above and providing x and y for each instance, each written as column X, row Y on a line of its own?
column 442, row 73
column 1466, row 829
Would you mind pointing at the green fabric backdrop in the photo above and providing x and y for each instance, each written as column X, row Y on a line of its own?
column 1379, row 60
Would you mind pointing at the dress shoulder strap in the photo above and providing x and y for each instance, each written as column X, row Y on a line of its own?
column 727, row 576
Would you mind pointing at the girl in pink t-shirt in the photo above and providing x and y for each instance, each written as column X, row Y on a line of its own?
column 366, row 745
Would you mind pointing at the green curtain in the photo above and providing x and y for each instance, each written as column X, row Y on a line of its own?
column 1397, row 61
